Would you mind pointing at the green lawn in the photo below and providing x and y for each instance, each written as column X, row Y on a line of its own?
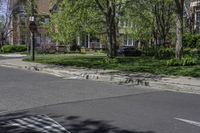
column 130, row 64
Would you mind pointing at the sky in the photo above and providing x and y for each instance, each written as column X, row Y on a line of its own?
column 3, row 7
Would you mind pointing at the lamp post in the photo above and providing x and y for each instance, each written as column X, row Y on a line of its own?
column 33, row 28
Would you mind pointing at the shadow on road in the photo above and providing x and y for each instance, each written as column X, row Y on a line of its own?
column 74, row 124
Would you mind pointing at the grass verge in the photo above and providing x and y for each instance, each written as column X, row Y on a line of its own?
column 129, row 64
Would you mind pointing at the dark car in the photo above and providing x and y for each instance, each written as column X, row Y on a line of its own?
column 129, row 51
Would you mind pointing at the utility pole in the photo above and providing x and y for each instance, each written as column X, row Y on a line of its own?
column 33, row 29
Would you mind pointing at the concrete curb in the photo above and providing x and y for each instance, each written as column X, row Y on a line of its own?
column 170, row 83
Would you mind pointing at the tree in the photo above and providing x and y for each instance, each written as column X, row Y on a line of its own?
column 179, row 29
column 72, row 18
column 19, row 12
column 5, row 21
column 163, row 13
column 92, row 16
column 152, row 20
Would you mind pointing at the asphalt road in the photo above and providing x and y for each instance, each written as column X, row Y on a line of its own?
column 93, row 107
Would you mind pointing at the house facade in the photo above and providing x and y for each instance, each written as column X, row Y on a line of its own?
column 20, row 22
column 98, row 42
column 194, row 14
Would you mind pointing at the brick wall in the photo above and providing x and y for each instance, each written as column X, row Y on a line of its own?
column 43, row 8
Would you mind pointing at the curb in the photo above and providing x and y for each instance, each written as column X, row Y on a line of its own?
column 82, row 75
column 155, row 82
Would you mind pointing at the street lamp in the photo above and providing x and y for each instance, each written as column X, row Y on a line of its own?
column 33, row 29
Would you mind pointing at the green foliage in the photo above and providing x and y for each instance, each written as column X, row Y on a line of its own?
column 187, row 61
column 160, row 53
column 75, row 47
column 191, row 40
column 151, row 19
column 13, row 48
column 165, row 53
column 130, row 64
column 193, row 52
column 74, row 18
column 110, row 60
column 150, row 51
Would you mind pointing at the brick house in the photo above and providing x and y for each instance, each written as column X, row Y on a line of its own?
column 194, row 14
column 20, row 21
column 89, row 41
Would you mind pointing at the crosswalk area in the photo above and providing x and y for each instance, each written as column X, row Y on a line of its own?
column 32, row 124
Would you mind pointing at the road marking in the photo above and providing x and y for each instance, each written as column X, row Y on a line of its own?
column 194, row 123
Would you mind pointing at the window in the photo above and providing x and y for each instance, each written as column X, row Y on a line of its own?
column 198, row 19
column 46, row 20
column 125, row 40
column 128, row 41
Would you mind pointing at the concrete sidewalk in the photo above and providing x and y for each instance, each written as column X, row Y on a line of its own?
column 172, row 83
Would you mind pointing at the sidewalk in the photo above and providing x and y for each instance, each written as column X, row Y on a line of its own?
column 172, row 83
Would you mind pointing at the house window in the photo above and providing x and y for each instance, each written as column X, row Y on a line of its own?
column 23, row 36
column 125, row 40
column 128, row 41
column 198, row 21
column 46, row 20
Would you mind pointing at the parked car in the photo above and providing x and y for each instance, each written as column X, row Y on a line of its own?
column 129, row 51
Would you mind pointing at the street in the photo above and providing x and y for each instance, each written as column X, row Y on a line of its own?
column 83, row 106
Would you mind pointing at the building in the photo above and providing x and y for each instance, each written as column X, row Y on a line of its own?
column 20, row 22
column 91, row 42
column 194, row 14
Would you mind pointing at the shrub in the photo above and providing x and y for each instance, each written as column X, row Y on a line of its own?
column 195, row 52
column 191, row 40
column 162, row 53
column 13, row 48
column 198, row 44
column 165, row 53
column 187, row 61
column 46, row 50
column 75, row 47
column 150, row 51
column 110, row 61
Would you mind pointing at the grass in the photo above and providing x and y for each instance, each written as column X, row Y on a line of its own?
column 130, row 64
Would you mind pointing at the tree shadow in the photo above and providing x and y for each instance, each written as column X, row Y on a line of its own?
column 75, row 124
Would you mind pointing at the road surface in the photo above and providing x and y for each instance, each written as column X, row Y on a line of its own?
column 83, row 106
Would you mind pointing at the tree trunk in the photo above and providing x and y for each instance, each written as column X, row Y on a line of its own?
column 109, row 11
column 114, row 28
column 110, row 43
column 179, row 29
column 111, row 32
column 2, row 39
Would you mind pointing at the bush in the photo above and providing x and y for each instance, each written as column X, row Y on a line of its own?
column 161, row 53
column 187, row 61
column 195, row 52
column 191, row 40
column 13, row 48
column 46, row 50
column 75, row 47
column 165, row 53
column 110, row 61
column 198, row 44
column 150, row 51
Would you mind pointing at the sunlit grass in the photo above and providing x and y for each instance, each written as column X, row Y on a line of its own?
column 129, row 64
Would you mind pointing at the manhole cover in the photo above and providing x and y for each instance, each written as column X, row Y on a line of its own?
column 32, row 124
